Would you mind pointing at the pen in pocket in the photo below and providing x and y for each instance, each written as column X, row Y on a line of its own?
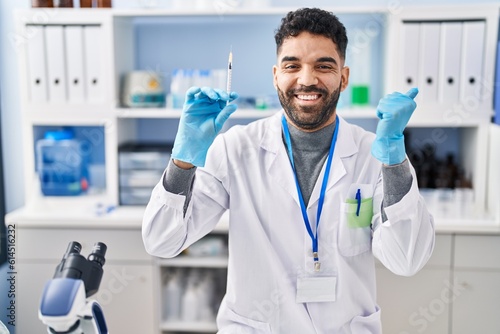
column 358, row 198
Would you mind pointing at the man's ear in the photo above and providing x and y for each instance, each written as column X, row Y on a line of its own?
column 275, row 80
column 344, row 77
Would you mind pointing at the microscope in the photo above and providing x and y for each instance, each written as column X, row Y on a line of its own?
column 64, row 307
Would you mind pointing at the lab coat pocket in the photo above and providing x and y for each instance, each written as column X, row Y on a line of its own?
column 242, row 325
column 356, row 214
column 370, row 324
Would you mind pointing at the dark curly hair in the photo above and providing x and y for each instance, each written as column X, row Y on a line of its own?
column 313, row 20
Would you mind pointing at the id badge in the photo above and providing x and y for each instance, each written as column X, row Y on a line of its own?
column 316, row 289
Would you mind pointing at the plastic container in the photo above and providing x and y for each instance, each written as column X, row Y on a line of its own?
column 359, row 79
column 172, row 297
column 182, row 80
column 62, row 168
column 190, row 308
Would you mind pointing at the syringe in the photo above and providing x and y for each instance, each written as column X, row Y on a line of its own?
column 229, row 72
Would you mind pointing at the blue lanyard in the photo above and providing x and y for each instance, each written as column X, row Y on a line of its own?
column 314, row 236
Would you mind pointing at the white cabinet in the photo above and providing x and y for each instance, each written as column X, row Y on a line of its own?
column 449, row 51
column 476, row 277
column 127, row 297
column 478, row 302
column 421, row 303
column 456, row 292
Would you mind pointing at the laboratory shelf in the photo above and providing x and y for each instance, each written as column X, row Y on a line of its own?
column 183, row 326
column 228, row 10
column 71, row 115
column 368, row 112
column 198, row 262
column 355, row 112
column 176, row 113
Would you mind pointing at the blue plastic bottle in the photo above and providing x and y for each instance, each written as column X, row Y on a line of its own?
column 61, row 164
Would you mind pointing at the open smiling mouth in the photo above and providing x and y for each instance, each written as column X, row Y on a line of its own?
column 308, row 97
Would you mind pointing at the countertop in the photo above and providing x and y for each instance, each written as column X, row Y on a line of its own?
column 130, row 217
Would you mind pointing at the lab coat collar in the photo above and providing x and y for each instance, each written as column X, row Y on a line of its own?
column 278, row 164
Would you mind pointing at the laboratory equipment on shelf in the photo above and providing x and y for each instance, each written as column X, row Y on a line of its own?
column 64, row 307
column 143, row 89
column 140, row 167
column 61, row 164
column 184, row 78
column 359, row 80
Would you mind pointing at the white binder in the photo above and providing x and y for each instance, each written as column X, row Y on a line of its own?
column 37, row 75
column 56, row 73
column 410, row 50
column 93, row 75
column 472, row 62
column 450, row 56
column 74, row 56
column 429, row 61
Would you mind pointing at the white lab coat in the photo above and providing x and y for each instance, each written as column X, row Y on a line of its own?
column 248, row 172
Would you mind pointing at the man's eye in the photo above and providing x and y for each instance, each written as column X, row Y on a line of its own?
column 324, row 67
column 290, row 67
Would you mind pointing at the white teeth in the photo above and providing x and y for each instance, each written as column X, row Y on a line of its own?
column 307, row 97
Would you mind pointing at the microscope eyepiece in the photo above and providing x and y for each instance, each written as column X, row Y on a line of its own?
column 89, row 270
column 74, row 247
column 97, row 254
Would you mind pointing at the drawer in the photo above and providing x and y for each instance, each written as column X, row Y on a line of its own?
column 140, row 178
column 143, row 160
column 135, row 196
column 477, row 251
column 35, row 244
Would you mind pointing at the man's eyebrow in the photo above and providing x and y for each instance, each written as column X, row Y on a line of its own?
column 326, row 60
column 319, row 60
column 289, row 58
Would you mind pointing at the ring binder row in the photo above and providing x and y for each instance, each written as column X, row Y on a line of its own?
column 444, row 59
column 64, row 64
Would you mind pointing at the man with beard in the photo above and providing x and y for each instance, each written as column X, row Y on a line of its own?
column 312, row 199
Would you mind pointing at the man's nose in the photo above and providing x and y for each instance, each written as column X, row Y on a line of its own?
column 307, row 77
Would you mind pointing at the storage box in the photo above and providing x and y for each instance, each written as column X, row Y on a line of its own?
column 141, row 166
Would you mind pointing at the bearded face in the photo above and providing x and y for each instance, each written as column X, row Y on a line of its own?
column 310, row 116
column 309, row 77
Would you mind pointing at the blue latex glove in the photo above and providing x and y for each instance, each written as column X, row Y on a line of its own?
column 204, row 113
column 394, row 111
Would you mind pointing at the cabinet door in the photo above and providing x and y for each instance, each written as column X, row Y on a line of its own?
column 477, row 303
column 417, row 304
column 126, row 296
column 477, row 277
column 421, row 303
